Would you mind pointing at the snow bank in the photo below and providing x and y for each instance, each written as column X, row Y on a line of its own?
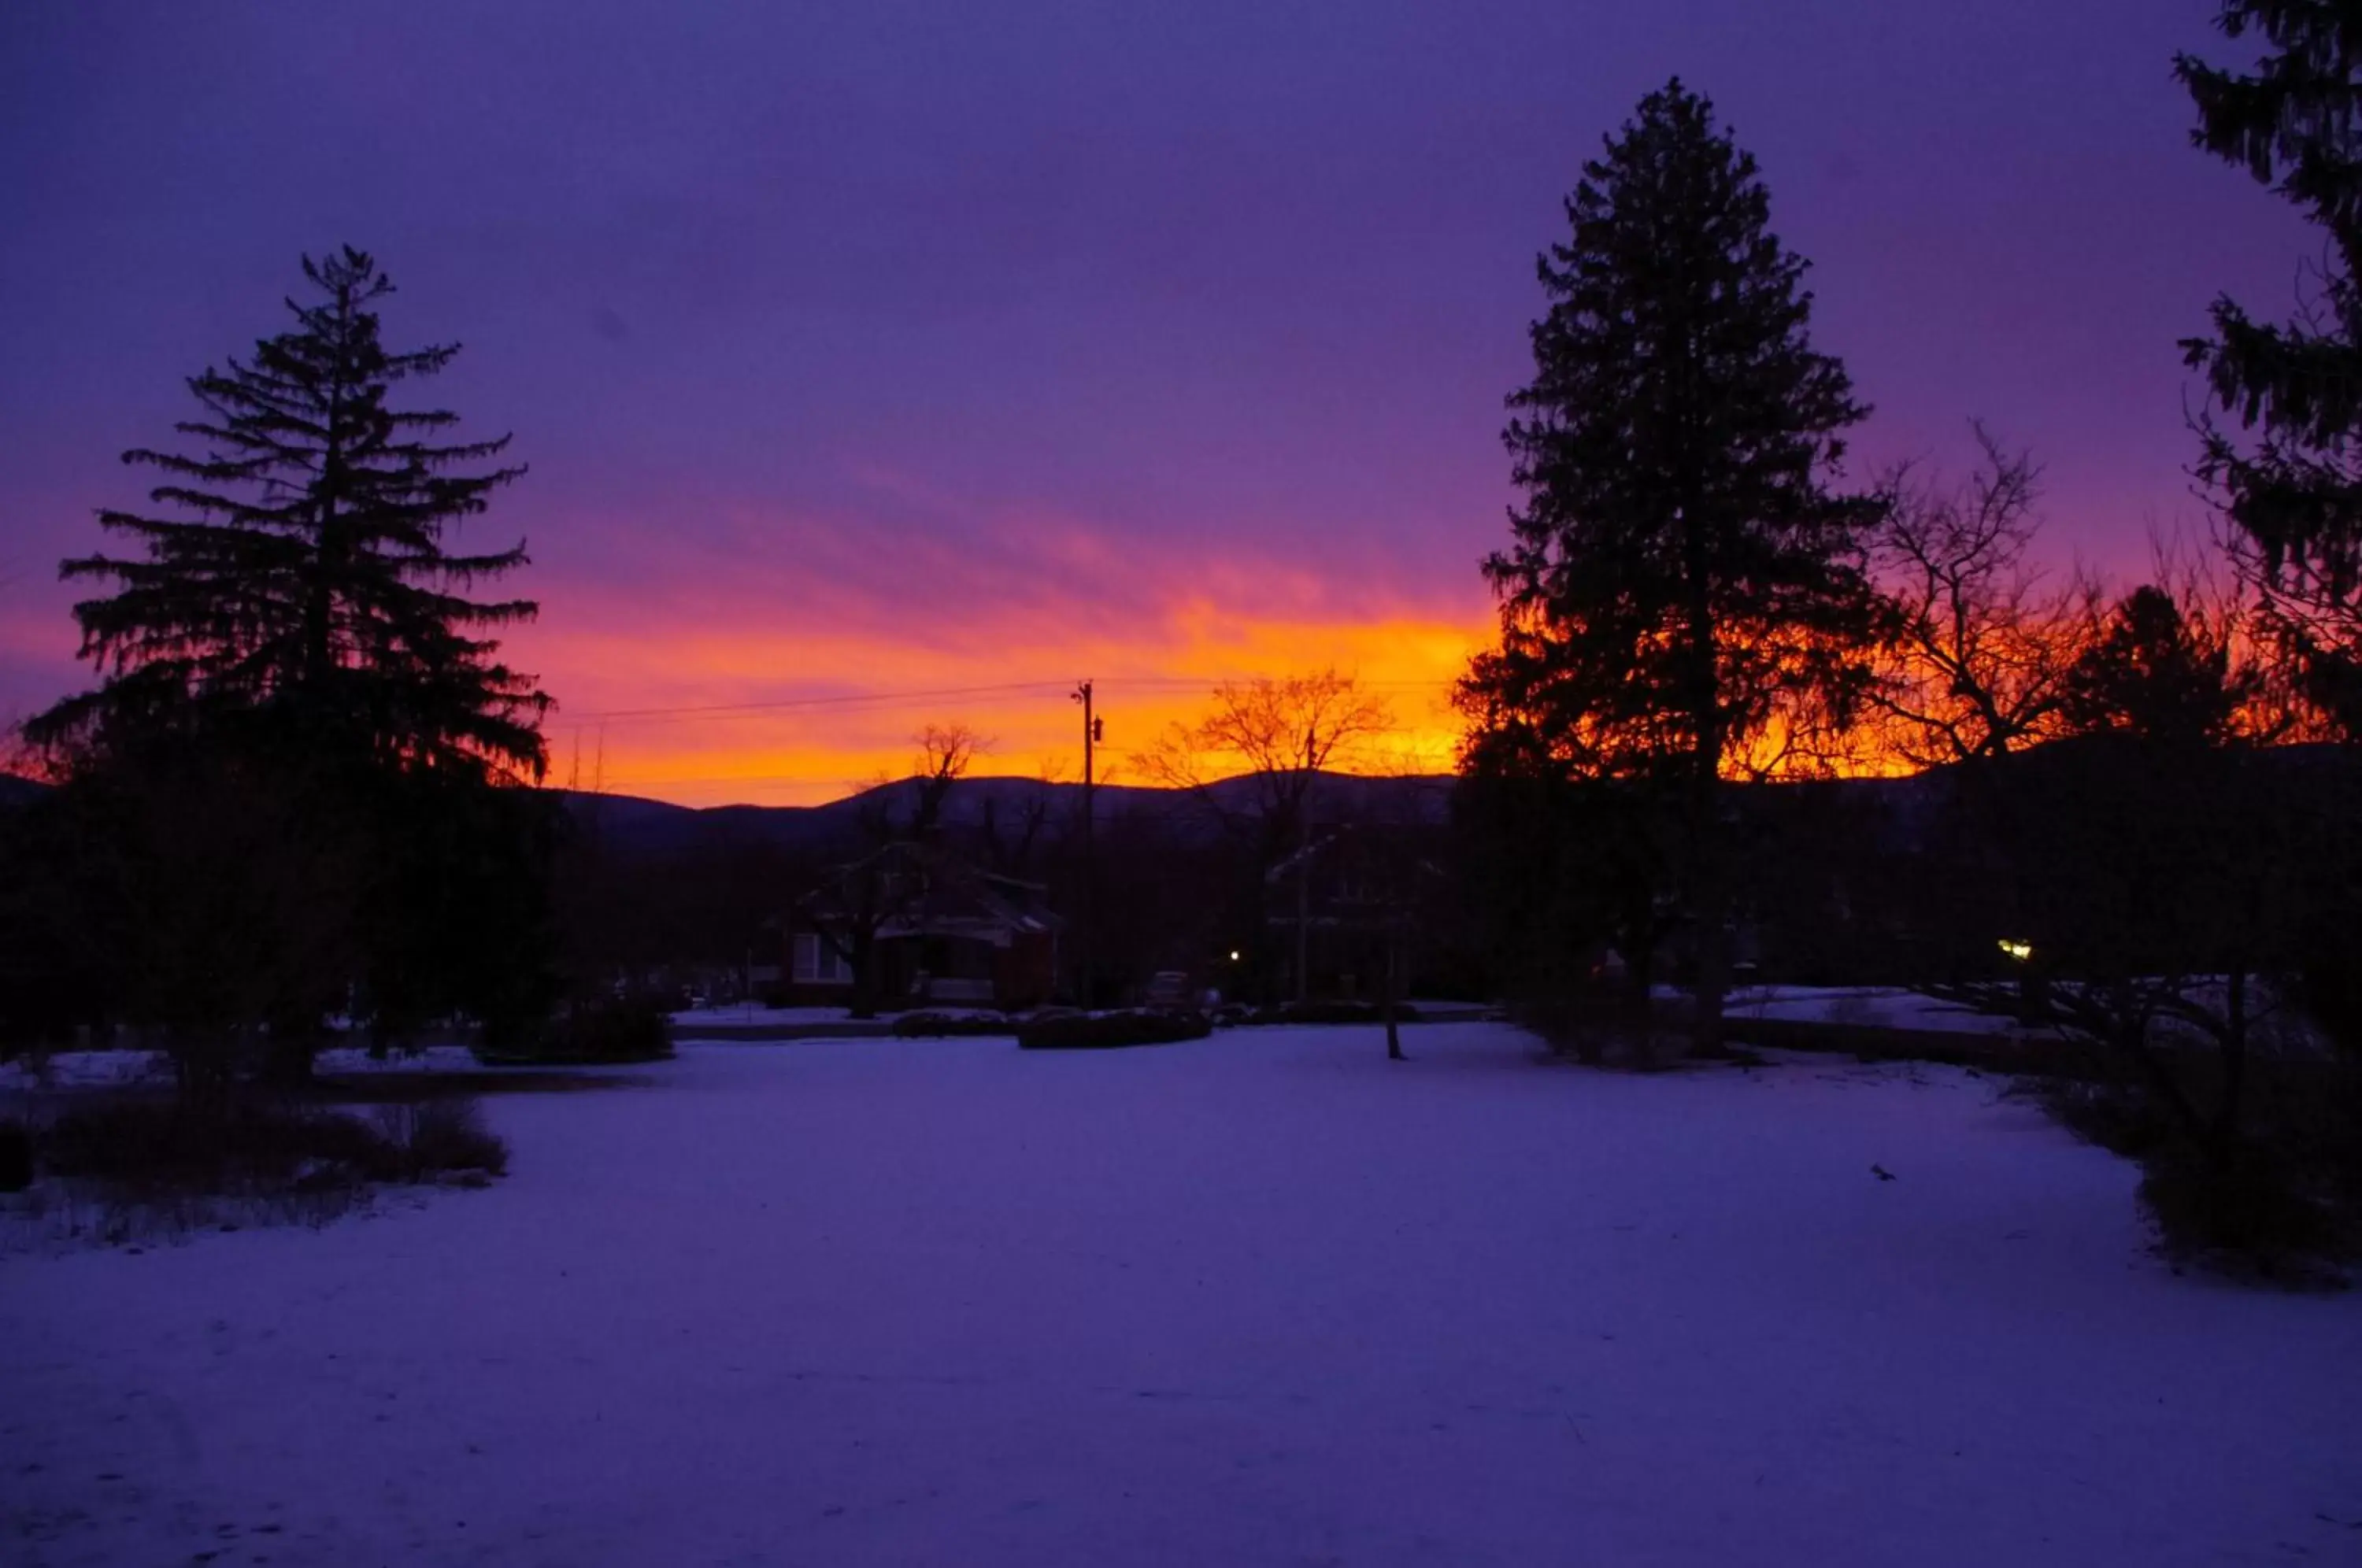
column 97, row 1069
column 83, row 1069
column 1260, row 1300
column 1876, row 1007
column 689, row 1017
column 687, row 1021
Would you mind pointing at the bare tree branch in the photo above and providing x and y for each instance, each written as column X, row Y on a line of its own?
column 1979, row 641
column 1280, row 732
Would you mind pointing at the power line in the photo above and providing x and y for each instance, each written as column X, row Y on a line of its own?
column 865, row 698
column 844, row 702
column 1208, row 682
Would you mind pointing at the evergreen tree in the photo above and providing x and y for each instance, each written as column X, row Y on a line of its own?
column 2291, row 482
column 1683, row 599
column 304, row 573
column 286, row 783
column 2157, row 673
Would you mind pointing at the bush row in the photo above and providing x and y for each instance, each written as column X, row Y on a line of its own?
column 1105, row 1031
column 595, row 1033
column 934, row 1025
column 155, row 1146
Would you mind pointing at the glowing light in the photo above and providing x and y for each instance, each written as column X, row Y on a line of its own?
column 646, row 692
column 766, row 672
column 2021, row 950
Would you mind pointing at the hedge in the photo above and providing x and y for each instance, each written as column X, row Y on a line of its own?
column 933, row 1025
column 1107, row 1030
column 595, row 1033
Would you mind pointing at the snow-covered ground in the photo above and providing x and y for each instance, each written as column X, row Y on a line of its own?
column 1880, row 1007
column 116, row 1069
column 1263, row 1298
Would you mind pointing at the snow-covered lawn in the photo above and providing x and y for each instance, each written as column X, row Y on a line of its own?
column 1261, row 1299
column 123, row 1069
column 1880, row 1007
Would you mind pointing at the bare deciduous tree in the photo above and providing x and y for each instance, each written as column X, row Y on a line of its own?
column 864, row 896
column 947, row 754
column 1979, row 640
column 1010, row 845
column 1281, row 731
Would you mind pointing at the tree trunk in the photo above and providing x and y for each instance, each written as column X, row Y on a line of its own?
column 2132, row 1032
column 287, row 1059
column 865, row 973
column 1635, row 1010
column 2235, row 1063
column 1710, row 912
column 1303, row 928
column 1389, row 1007
column 200, row 1069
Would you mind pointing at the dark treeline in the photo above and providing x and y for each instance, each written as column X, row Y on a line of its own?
column 1188, row 880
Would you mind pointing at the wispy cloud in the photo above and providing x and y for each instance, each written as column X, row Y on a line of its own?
column 846, row 631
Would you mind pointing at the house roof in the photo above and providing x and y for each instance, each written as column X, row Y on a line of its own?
column 916, row 889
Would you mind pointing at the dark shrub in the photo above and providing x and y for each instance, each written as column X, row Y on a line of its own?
column 1589, row 1023
column 145, row 1145
column 1105, row 1031
column 595, row 1033
column 2244, row 1211
column 2118, row 1117
column 2276, row 1203
column 439, row 1137
column 932, row 1025
column 16, row 1157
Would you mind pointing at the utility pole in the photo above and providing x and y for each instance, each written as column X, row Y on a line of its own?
column 1092, row 730
column 1304, row 919
column 1304, row 876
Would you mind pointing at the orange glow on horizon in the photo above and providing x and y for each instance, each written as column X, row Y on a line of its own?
column 744, row 715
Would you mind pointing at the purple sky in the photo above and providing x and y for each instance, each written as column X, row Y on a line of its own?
column 858, row 345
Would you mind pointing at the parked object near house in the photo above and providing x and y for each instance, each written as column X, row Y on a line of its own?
column 930, row 929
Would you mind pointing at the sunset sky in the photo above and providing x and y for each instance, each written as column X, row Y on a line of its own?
column 908, row 363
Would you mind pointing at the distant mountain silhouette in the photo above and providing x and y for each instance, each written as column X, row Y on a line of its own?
column 15, row 791
column 1904, row 806
column 633, row 825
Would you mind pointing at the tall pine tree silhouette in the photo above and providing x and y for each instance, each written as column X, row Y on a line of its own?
column 287, row 777
column 2292, row 486
column 303, row 570
column 1683, row 599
